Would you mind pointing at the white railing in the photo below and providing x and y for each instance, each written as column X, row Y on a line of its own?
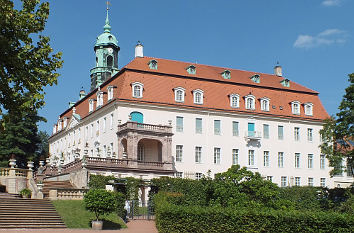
column 253, row 135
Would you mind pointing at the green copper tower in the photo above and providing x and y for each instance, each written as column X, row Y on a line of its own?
column 106, row 50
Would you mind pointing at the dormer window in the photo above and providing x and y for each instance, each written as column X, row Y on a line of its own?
column 191, row 69
column 54, row 129
column 234, row 101
column 179, row 94
column 226, row 74
column 137, row 90
column 153, row 64
column 308, row 109
column 99, row 99
column 265, row 104
column 285, row 83
column 250, row 102
column 256, row 78
column 59, row 125
column 295, row 107
column 110, row 92
column 91, row 104
column 65, row 122
column 198, row 96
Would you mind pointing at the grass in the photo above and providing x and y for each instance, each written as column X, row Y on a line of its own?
column 75, row 215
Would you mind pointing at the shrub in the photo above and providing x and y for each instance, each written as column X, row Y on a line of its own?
column 99, row 181
column 25, row 192
column 100, row 201
column 176, row 218
column 120, row 198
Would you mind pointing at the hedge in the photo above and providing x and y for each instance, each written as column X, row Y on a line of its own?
column 176, row 218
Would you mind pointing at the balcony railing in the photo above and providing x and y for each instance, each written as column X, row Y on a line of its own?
column 254, row 135
column 131, row 125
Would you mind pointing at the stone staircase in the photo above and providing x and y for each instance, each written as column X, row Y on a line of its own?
column 16, row 212
column 50, row 185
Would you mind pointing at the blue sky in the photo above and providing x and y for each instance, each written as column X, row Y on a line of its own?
column 312, row 40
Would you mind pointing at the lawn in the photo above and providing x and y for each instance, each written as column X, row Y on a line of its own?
column 75, row 215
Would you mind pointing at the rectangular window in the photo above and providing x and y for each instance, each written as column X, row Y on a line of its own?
column 251, row 157
column 179, row 152
column 323, row 182
column 234, row 156
column 111, row 122
column 179, row 174
column 270, row 178
column 104, row 124
column 217, row 130
column 97, row 128
column 297, row 160
column 280, row 159
column 266, row 158
column 297, row 134
column 297, row 181
column 235, row 128
column 310, row 181
column 179, row 124
column 198, row 175
column 216, row 155
column 280, row 132
column 283, row 182
column 198, row 154
column 309, row 135
column 265, row 131
column 322, row 161
column 310, row 161
column 198, row 125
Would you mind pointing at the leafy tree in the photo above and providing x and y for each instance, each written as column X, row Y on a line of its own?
column 27, row 64
column 19, row 136
column 338, row 134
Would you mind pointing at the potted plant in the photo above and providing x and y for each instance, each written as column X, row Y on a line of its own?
column 100, row 202
column 25, row 193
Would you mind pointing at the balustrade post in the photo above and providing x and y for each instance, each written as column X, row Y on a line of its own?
column 30, row 170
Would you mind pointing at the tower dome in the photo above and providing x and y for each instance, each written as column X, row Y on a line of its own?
column 106, row 38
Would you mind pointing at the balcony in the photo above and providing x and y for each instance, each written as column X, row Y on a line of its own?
column 253, row 135
column 141, row 128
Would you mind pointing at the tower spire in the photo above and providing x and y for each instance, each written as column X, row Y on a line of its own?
column 107, row 27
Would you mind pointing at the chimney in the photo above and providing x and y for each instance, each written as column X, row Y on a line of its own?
column 82, row 93
column 139, row 50
column 278, row 70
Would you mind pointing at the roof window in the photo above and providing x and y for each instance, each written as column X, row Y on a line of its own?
column 256, row 78
column 285, row 82
column 226, row 74
column 153, row 64
column 191, row 69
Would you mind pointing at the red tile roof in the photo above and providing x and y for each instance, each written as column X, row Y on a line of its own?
column 159, row 85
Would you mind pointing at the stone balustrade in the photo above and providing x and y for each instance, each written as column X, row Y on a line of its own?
column 67, row 194
column 131, row 125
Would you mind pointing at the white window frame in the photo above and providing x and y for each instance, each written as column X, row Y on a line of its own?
column 234, row 156
column 91, row 105
column 198, row 154
column 297, row 160
column 179, row 153
column 265, row 102
column 110, row 92
column 251, row 158
column 252, row 104
column 309, row 134
column 283, row 181
column 198, row 96
column 297, row 181
column 179, row 98
column 234, row 100
column 137, row 93
column 310, row 181
column 99, row 99
column 235, row 128
column 323, row 182
column 310, row 158
column 266, row 132
column 65, row 122
column 295, row 107
column 217, row 130
column 217, row 155
column 198, row 175
column 280, row 136
column 280, row 159
column 266, row 161
column 297, row 133
column 308, row 109
column 179, row 128
column 197, row 130
column 322, row 161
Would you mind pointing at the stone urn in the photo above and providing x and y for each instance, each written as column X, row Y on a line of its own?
column 97, row 225
column 30, row 165
column 12, row 163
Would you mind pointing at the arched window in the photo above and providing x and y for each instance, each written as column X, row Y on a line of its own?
column 250, row 102
column 265, row 104
column 308, row 109
column 137, row 117
column 234, row 100
column 109, row 61
column 179, row 94
column 295, row 107
column 137, row 89
column 198, row 96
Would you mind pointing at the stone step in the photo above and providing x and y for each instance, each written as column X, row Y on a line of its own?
column 32, row 225
column 27, row 214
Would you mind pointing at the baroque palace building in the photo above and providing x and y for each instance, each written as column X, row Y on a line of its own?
column 157, row 117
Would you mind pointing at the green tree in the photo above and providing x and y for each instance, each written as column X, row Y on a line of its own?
column 19, row 136
column 101, row 202
column 338, row 134
column 27, row 64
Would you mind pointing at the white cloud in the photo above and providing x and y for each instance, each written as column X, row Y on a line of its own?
column 327, row 37
column 331, row 2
